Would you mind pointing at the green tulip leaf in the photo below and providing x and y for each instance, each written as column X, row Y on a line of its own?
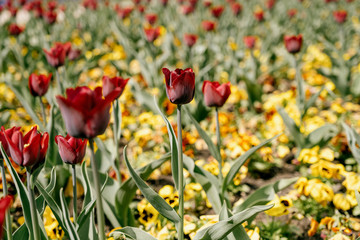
column 66, row 216
column 131, row 233
column 353, row 139
column 321, row 136
column 240, row 161
column 293, row 128
column 223, row 228
column 154, row 199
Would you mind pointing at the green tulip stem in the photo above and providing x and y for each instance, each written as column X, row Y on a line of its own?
column 181, row 175
column 218, row 137
column 74, row 192
column 5, row 191
column 59, row 83
column 33, row 211
column 300, row 95
column 116, row 129
column 42, row 104
column 99, row 205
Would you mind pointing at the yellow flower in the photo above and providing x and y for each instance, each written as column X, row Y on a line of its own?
column 171, row 197
column 69, row 189
column 301, row 184
column 191, row 190
column 327, row 154
column 309, row 155
column 282, row 151
column 254, row 234
column 148, row 214
column 340, row 236
column 281, row 206
column 342, row 202
column 313, row 227
column 52, row 228
column 318, row 190
column 352, row 181
column 327, row 169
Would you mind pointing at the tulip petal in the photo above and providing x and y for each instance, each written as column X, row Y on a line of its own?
column 14, row 151
column 67, row 153
column 31, row 152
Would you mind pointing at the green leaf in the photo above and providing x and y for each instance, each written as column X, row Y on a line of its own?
column 357, row 195
column 21, row 233
column 174, row 150
column 52, row 153
column 238, row 232
column 223, row 228
column 127, row 191
column 353, row 141
column 21, row 190
column 154, row 199
column 240, row 161
column 321, row 136
column 131, row 233
column 265, row 194
column 208, row 182
column 65, row 214
column 40, row 201
column 312, row 101
column 212, row 148
column 293, row 128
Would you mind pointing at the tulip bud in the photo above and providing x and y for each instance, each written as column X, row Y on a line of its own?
column 39, row 84
column 293, row 43
column 57, row 54
column 236, row 8
column 152, row 33
column 180, row 85
column 72, row 150
column 259, row 15
column 5, row 204
column 249, row 41
column 215, row 95
column 208, row 25
column 217, row 11
column 190, row 39
column 15, row 30
column 151, row 18
column 340, row 16
column 9, row 132
column 115, row 83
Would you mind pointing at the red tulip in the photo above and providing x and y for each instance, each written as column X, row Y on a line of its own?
column 340, row 16
column 215, row 95
column 39, row 84
column 193, row 3
column 111, row 84
column 236, row 8
column 187, row 9
column 217, row 11
column 52, row 5
column 180, row 85
column 73, row 54
column 259, row 15
column 72, row 150
column 123, row 12
column 293, row 43
column 292, row 12
column 5, row 204
column 249, row 41
column 85, row 111
column 190, row 39
column 9, row 132
column 270, row 4
column 137, row 2
column 15, row 30
column 207, row 3
column 90, row 4
column 151, row 18
column 27, row 150
column 50, row 17
column 208, row 25
column 152, row 33
column 164, row 2
column 56, row 55
column 141, row 8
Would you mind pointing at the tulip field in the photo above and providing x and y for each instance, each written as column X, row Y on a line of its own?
column 180, row 119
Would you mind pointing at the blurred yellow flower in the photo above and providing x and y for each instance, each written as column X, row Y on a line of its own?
column 281, row 206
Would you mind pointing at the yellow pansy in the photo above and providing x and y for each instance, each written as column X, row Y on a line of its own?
column 281, row 206
column 319, row 191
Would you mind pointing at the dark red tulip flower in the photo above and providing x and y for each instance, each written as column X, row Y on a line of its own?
column 208, row 25
column 52, row 5
column 292, row 12
column 207, row 3
column 73, row 54
column 164, row 2
column 259, row 15
column 293, row 43
column 90, row 4
column 50, row 17
column 152, row 33
column 249, row 41
column 57, row 54
column 270, row 4
column 13, row 11
column 217, row 11
column 215, row 95
column 190, row 39
column 187, row 9
column 9, row 133
column 180, row 85
column 236, row 8
column 123, row 12
column 111, row 84
column 85, row 111
column 141, row 8
column 137, row 2
column 5, row 204
column 27, row 150
column 72, row 150
column 340, row 16
column 15, row 30
column 151, row 18
column 39, row 84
